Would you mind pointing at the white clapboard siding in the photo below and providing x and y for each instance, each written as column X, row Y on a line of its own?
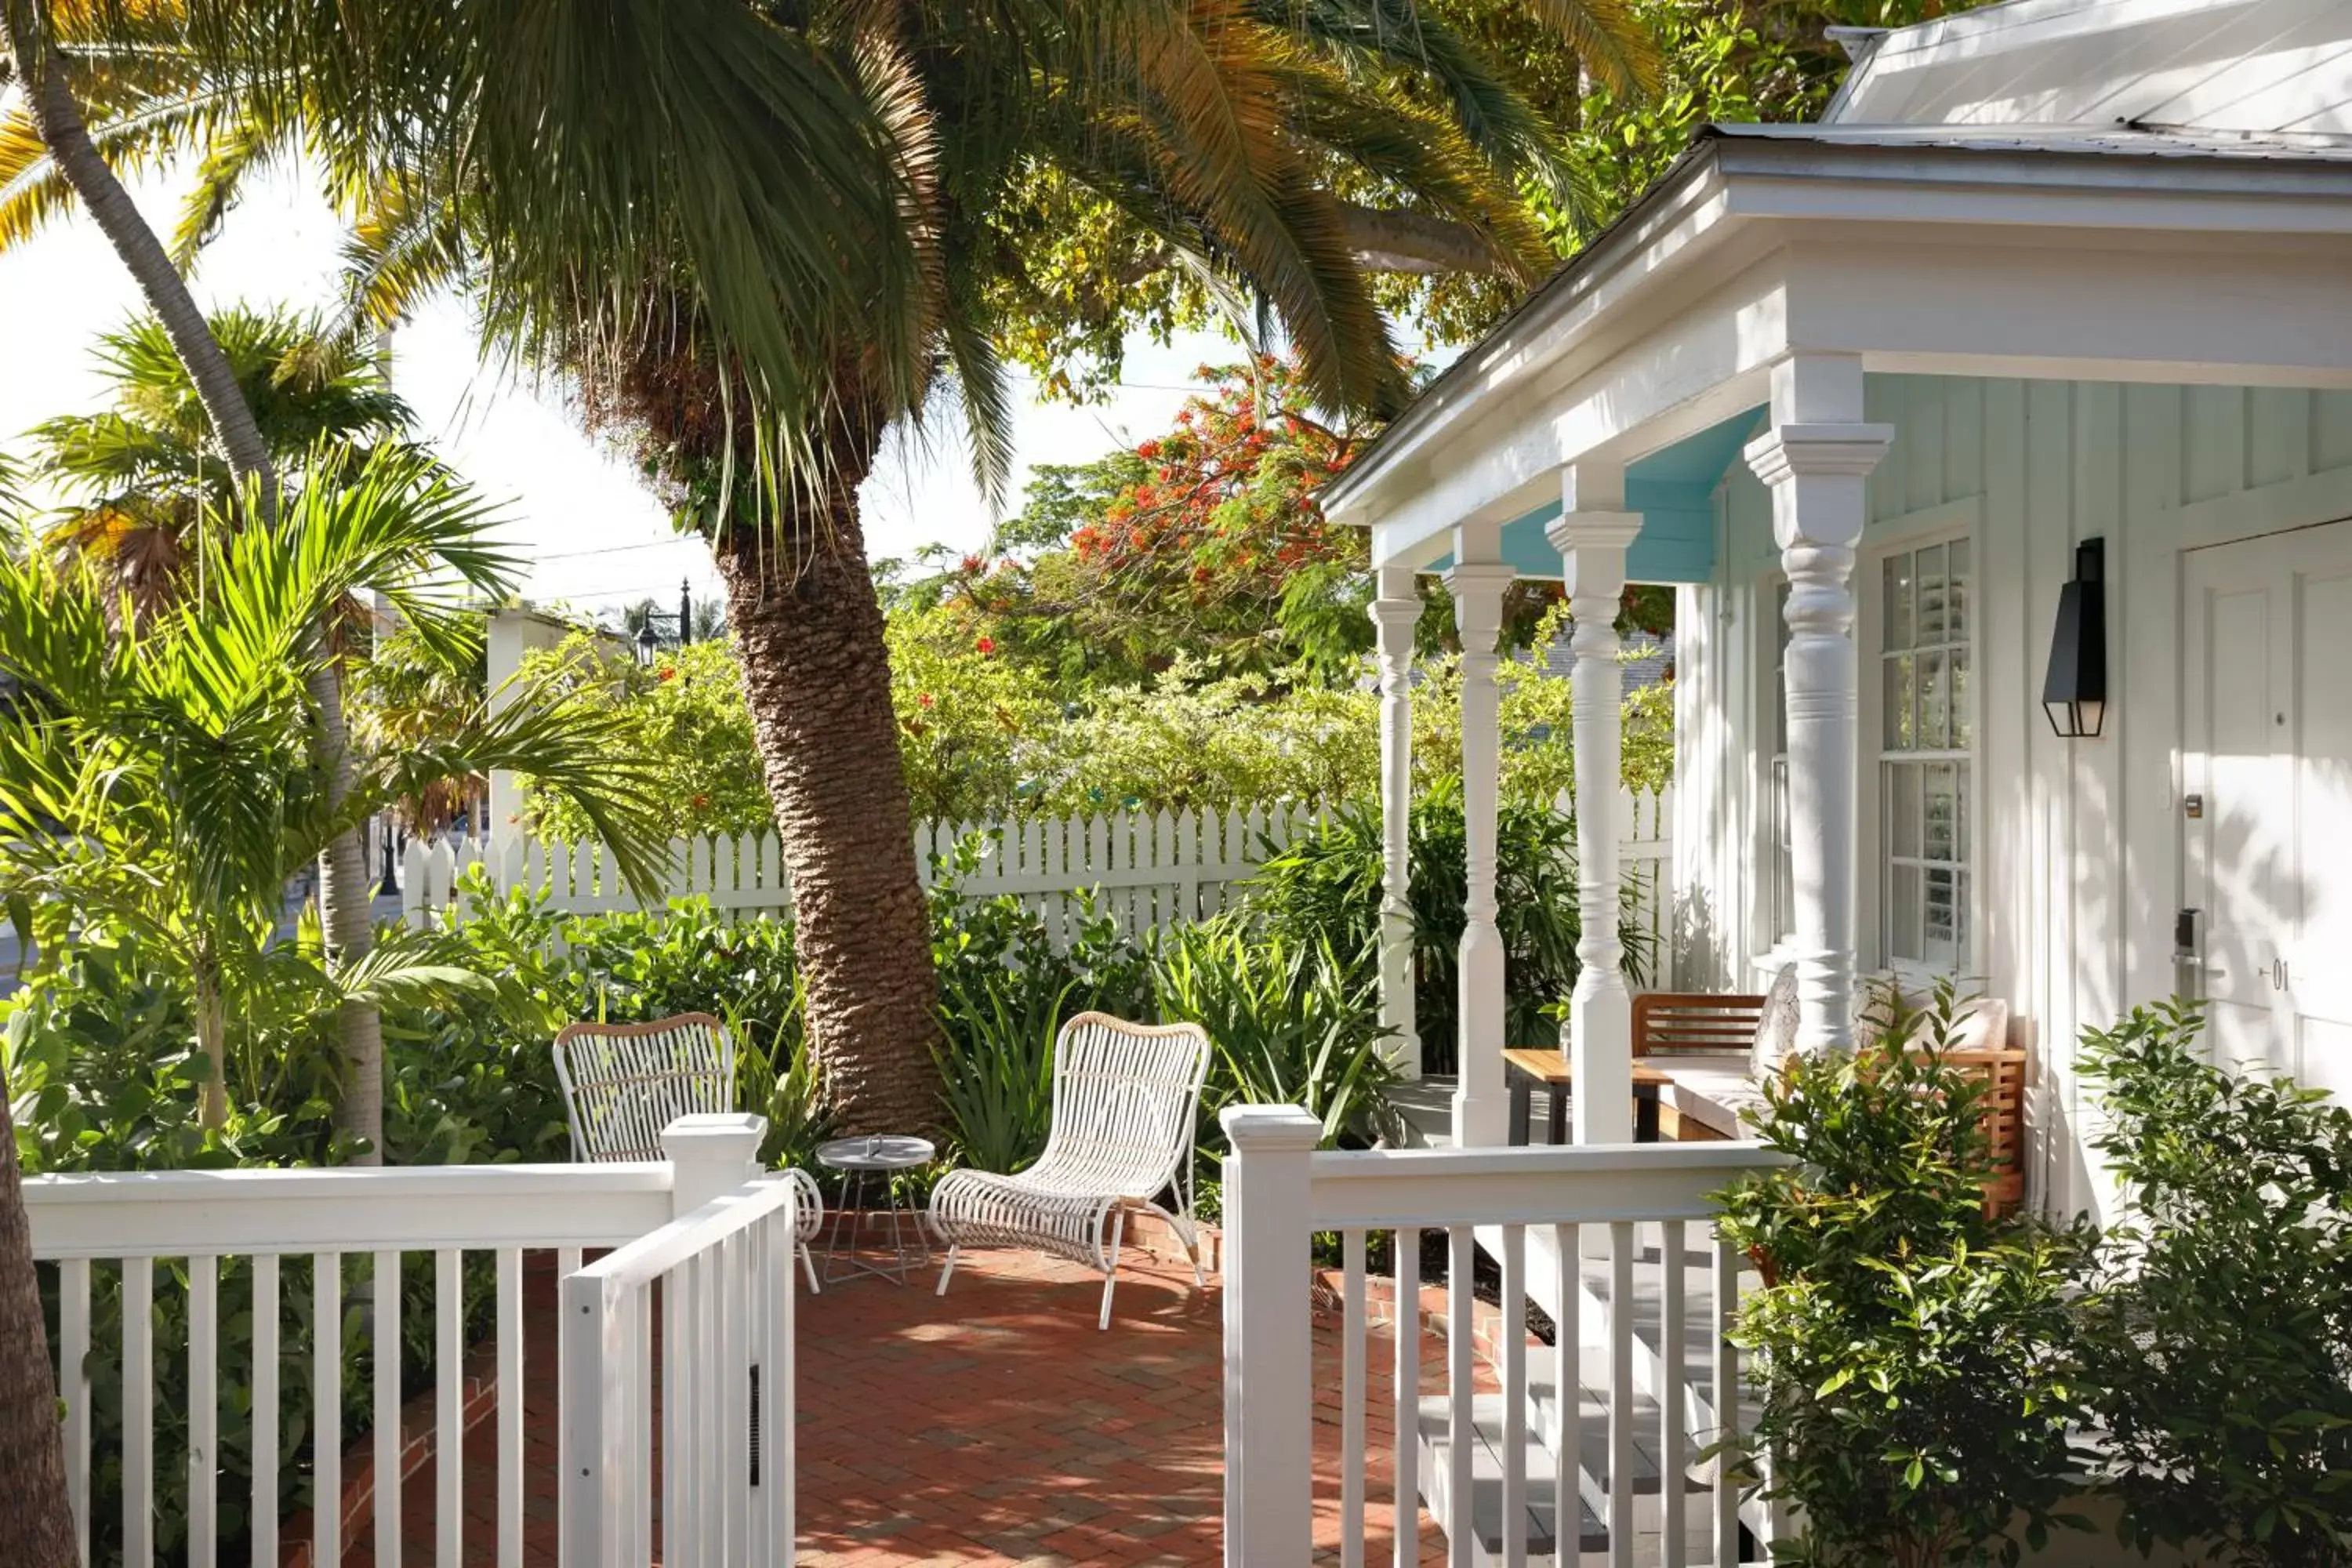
column 1148, row 871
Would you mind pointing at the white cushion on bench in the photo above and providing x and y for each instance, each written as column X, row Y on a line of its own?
column 1716, row 1091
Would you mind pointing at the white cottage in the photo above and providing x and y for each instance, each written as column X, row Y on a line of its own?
column 2057, row 288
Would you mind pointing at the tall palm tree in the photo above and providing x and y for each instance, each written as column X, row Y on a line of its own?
column 158, row 777
column 50, row 118
column 754, row 290
column 143, row 471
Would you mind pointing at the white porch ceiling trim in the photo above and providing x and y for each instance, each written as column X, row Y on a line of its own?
column 2038, row 263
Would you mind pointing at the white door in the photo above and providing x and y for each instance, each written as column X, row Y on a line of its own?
column 2267, row 667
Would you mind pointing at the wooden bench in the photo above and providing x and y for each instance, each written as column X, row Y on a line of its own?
column 1692, row 1025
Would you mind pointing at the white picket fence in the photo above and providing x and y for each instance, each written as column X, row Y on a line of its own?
column 1148, row 872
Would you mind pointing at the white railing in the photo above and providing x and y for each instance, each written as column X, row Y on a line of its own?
column 1641, row 1379
column 250, row 1228
column 1147, row 871
column 720, row 1410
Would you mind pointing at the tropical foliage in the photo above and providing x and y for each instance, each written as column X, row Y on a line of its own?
column 1918, row 1362
column 159, row 778
column 2223, row 1339
column 984, row 737
column 1203, row 542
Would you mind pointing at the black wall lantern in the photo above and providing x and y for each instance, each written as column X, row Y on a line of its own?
column 2074, row 694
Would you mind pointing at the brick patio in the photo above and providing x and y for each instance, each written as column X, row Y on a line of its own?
column 995, row 1426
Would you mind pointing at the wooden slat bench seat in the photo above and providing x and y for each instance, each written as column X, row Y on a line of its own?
column 1700, row 1042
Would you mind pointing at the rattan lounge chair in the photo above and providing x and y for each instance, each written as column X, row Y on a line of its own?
column 1125, row 1099
column 624, row 1083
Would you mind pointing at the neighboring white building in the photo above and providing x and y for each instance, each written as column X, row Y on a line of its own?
column 2050, row 273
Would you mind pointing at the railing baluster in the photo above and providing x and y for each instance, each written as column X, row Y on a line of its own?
column 388, row 1499
column 1461, row 1433
column 204, row 1411
column 1352, row 1404
column 264, row 1512
column 1513, row 1330
column 567, row 1263
column 138, row 1410
column 510, row 1397
column 735, row 1368
column 641, row 1421
column 1568, row 1387
column 1674, row 1410
column 1407, row 1435
column 73, row 1381
column 326, row 1408
column 448, row 1408
column 674, row 1317
column 705, row 1480
column 755, row 1404
column 1620, row 1393
column 777, row 1388
column 1725, row 1494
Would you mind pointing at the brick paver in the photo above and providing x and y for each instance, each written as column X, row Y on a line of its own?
column 996, row 1426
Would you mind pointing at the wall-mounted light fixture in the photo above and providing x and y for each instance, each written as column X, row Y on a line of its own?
column 2074, row 693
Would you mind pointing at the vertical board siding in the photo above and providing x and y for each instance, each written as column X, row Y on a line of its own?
column 2075, row 844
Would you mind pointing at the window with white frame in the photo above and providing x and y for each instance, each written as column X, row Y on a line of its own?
column 1927, row 781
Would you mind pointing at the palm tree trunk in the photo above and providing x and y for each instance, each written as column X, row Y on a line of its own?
column 343, row 888
column 808, row 627
column 39, row 1529
column 212, row 1037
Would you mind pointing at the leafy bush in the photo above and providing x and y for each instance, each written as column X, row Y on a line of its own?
column 1326, row 886
column 1289, row 1020
column 2223, row 1340
column 1289, row 1023
column 985, row 736
column 1917, row 1361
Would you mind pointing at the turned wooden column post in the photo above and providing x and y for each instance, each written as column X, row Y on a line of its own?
column 1477, row 579
column 1394, row 615
column 1816, row 458
column 1593, row 535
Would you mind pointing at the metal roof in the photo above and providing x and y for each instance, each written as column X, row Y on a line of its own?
column 2121, row 141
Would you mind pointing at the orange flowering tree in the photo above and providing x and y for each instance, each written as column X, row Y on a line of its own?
column 1203, row 542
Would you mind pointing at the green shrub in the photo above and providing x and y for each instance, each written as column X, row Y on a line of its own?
column 1326, row 886
column 1916, row 1362
column 2223, row 1340
column 1290, row 1023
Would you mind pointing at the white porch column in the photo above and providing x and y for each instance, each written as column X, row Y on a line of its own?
column 1394, row 615
column 1591, row 536
column 1816, row 458
column 1476, row 580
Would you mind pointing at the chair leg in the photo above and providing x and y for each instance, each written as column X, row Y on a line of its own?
column 1110, row 1275
column 808, row 1264
column 948, row 1272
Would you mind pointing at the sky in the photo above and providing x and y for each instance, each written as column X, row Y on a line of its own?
column 575, row 511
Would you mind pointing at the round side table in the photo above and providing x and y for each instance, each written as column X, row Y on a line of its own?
column 866, row 1161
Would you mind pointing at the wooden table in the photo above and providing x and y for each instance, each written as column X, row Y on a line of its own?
column 1524, row 1070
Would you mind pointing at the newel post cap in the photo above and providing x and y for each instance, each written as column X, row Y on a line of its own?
column 1276, row 1129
